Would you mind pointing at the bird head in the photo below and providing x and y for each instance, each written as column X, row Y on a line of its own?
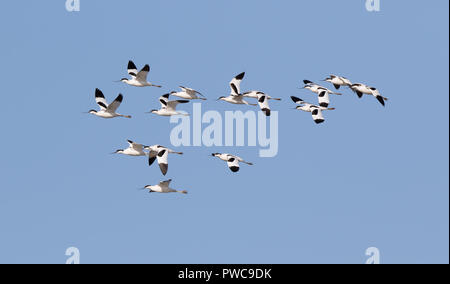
column 221, row 98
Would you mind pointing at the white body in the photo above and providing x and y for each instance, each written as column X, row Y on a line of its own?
column 138, row 79
column 107, row 110
column 232, row 161
column 338, row 81
column 163, row 187
column 188, row 94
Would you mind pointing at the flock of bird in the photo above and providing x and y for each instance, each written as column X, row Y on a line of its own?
column 168, row 108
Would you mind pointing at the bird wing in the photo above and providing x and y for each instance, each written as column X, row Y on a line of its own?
column 235, row 84
column 324, row 98
column 100, row 99
column 190, row 91
column 136, row 146
column 317, row 114
column 164, row 100
column 163, row 161
column 152, row 157
column 251, row 94
column 172, row 105
column 377, row 95
column 263, row 103
column 297, row 100
column 115, row 104
column 165, row 184
column 233, row 164
column 132, row 69
column 142, row 75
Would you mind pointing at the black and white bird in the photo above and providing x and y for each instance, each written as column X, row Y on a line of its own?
column 236, row 97
column 164, row 187
column 232, row 161
column 188, row 94
column 138, row 79
column 168, row 108
column 263, row 100
column 134, row 149
column 316, row 111
column 338, row 81
column 107, row 111
column 322, row 92
column 160, row 153
column 316, row 88
column 361, row 89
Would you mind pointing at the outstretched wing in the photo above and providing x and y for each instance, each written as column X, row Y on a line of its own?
column 152, row 157
column 165, row 184
column 164, row 100
column 263, row 103
column 235, row 84
column 324, row 98
column 172, row 105
column 317, row 115
column 190, row 91
column 100, row 99
column 136, row 146
column 233, row 164
column 142, row 75
column 163, row 161
column 297, row 100
column 132, row 69
column 115, row 104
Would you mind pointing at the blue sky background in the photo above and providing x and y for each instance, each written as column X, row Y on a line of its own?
column 367, row 177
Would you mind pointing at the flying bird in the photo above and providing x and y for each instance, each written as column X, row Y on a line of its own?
column 168, row 108
column 322, row 92
column 164, row 187
column 232, row 161
column 361, row 89
column 138, row 79
column 134, row 149
column 188, row 94
column 107, row 111
column 316, row 111
column 338, row 81
column 160, row 153
column 236, row 97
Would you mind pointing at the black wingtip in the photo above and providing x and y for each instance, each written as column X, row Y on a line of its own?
column 164, row 168
column 146, row 68
column 240, row 76
column 234, row 169
column 99, row 94
column 307, row 82
column 119, row 98
column 266, row 111
column 295, row 99
column 131, row 65
column 319, row 121
column 381, row 100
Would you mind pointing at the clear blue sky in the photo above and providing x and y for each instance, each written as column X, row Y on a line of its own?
column 367, row 177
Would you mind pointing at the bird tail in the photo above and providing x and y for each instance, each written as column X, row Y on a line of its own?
column 339, row 94
column 126, row 116
column 179, row 153
column 331, row 108
column 183, row 192
column 276, row 99
column 248, row 163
